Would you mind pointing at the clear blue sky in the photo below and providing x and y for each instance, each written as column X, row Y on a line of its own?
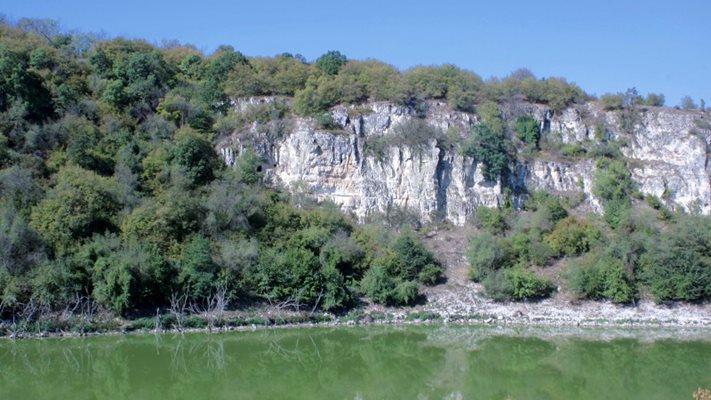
column 604, row 46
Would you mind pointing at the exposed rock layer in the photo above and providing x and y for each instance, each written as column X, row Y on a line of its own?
column 666, row 151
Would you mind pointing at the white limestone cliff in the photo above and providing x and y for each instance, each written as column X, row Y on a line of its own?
column 666, row 151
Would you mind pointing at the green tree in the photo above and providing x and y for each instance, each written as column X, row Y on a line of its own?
column 80, row 204
column 129, row 277
column 679, row 266
column 573, row 237
column 196, row 155
column 490, row 149
column 331, row 62
column 198, row 272
column 601, row 277
column 415, row 262
column 249, row 167
column 528, row 130
column 614, row 186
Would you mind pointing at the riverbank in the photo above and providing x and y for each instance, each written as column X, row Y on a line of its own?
column 454, row 306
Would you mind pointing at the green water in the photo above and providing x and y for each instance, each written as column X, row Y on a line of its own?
column 355, row 363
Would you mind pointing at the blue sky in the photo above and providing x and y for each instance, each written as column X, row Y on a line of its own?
column 604, row 46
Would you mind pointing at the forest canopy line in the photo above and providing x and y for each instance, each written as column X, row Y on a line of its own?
column 111, row 190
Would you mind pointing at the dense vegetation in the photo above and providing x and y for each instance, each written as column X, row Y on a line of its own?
column 112, row 193
column 640, row 251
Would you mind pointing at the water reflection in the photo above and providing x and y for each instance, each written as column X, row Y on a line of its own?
column 367, row 363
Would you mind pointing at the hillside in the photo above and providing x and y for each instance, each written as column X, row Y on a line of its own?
column 141, row 181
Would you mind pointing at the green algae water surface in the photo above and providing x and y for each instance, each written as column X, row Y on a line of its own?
column 408, row 362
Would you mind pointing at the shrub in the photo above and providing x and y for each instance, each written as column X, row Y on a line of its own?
column 572, row 150
column 492, row 219
column 21, row 247
column 617, row 211
column 655, row 99
column 679, row 266
column 330, row 62
column 248, row 167
column 610, row 102
column 486, row 254
column 415, row 134
column 516, row 284
column 395, row 275
column 497, row 286
column 325, row 121
column 81, row 204
column 528, row 248
column 547, row 210
column 527, row 285
column 414, row 258
column 379, row 285
column 129, row 277
column 614, row 186
column 489, row 148
column 196, row 155
column 600, row 277
column 528, row 130
column 198, row 272
column 572, row 237
column 612, row 180
column 406, row 292
column 461, row 88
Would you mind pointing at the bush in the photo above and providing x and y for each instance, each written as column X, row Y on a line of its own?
column 572, row 237
column 528, row 130
column 611, row 102
column 331, row 62
column 572, row 150
column 528, row 248
column 497, row 286
column 378, row 285
column 81, row 204
column 248, row 167
column 494, row 220
column 396, row 274
column 486, row 254
column 612, row 180
column 198, row 272
column 414, row 261
column 196, row 155
column 325, row 121
column 614, row 186
column 600, row 277
column 461, row 88
column 548, row 210
column 679, row 266
column 527, row 285
column 406, row 292
column 516, row 284
column 490, row 149
column 129, row 277
column 287, row 274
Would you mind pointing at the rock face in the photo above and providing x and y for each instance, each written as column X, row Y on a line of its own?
column 666, row 151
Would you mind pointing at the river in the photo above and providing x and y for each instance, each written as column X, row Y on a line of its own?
column 405, row 362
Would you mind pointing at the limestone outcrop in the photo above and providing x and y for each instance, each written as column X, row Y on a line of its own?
column 666, row 151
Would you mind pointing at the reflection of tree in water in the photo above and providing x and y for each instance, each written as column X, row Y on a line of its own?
column 585, row 369
column 511, row 366
column 367, row 363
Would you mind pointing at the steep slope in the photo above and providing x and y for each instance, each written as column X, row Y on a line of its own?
column 665, row 150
